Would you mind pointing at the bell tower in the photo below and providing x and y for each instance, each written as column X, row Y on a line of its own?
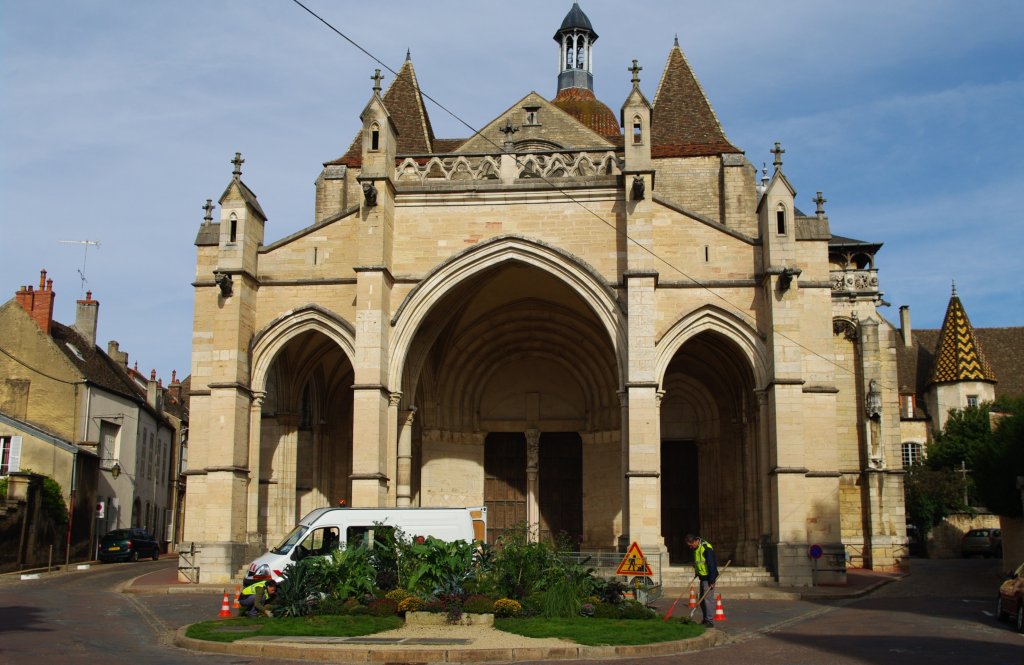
column 576, row 40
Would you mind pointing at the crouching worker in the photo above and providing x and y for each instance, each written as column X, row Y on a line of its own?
column 256, row 597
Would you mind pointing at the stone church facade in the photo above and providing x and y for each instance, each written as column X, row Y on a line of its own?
column 605, row 325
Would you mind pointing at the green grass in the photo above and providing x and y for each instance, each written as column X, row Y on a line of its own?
column 322, row 625
column 600, row 632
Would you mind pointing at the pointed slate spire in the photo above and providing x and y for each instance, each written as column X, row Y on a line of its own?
column 958, row 355
column 683, row 122
column 404, row 103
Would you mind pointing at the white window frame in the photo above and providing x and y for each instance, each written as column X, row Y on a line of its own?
column 10, row 454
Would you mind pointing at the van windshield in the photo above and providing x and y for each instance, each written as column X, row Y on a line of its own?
column 289, row 541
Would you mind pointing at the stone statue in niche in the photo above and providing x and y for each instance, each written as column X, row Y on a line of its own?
column 873, row 410
column 369, row 194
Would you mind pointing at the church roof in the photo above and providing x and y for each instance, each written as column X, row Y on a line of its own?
column 576, row 20
column 683, row 123
column 958, row 355
column 583, row 105
column 404, row 103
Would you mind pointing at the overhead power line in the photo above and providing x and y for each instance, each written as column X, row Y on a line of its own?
column 476, row 132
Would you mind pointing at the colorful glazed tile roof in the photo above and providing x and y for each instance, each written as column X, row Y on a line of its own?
column 958, row 355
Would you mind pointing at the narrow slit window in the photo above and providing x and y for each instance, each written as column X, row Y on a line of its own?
column 638, row 131
column 233, row 232
column 707, row 254
column 780, row 221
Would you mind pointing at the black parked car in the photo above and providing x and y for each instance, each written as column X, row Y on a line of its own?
column 128, row 544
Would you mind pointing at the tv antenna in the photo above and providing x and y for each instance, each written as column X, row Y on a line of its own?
column 85, row 257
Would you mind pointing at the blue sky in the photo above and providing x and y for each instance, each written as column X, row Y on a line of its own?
column 118, row 120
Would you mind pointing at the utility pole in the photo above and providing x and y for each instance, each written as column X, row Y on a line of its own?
column 85, row 256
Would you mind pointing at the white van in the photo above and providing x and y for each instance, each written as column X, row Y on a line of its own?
column 326, row 529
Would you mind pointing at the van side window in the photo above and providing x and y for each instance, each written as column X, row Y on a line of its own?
column 367, row 536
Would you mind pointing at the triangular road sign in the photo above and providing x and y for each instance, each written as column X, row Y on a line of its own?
column 634, row 563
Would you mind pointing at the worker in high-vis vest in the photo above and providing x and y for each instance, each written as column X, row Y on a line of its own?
column 255, row 598
column 706, row 568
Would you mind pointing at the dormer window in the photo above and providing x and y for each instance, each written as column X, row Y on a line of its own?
column 638, row 131
column 233, row 229
column 780, row 220
column 374, row 137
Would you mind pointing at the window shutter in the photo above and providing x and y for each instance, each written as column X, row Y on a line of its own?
column 15, row 458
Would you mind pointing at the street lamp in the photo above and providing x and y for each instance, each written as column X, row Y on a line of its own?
column 115, row 470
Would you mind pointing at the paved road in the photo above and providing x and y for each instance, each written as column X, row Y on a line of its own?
column 80, row 617
column 941, row 613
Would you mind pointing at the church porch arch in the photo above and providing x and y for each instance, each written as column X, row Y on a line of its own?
column 519, row 354
column 712, row 480
column 301, row 420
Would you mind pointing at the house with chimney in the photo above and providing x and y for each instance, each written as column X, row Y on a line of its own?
column 77, row 413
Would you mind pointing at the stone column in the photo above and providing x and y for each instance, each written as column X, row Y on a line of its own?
column 391, row 463
column 282, row 497
column 624, row 466
column 253, row 498
column 404, row 471
column 533, row 483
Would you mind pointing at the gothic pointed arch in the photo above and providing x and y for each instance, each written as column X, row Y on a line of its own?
column 274, row 336
column 712, row 319
column 581, row 278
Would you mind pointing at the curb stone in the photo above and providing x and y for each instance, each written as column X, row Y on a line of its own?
column 289, row 647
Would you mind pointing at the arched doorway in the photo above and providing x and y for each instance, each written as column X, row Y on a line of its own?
column 710, row 478
column 514, row 379
column 305, row 432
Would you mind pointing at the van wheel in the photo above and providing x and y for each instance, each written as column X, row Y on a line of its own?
column 134, row 556
column 1020, row 616
column 156, row 553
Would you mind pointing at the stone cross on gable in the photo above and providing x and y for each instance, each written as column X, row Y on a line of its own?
column 237, row 161
column 209, row 211
column 820, row 201
column 636, row 69
column 778, row 152
column 377, row 78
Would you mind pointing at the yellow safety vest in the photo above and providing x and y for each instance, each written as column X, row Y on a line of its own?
column 251, row 589
column 700, row 562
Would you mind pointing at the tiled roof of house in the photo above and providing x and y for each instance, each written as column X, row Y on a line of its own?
column 98, row 368
column 1004, row 350
column 683, row 123
column 959, row 356
column 95, row 366
column 583, row 105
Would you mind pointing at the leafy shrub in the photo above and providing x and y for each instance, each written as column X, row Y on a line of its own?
column 382, row 607
column 398, row 594
column 506, row 607
column 359, row 610
column 611, row 591
column 347, row 572
column 587, row 610
column 519, row 567
column 333, row 605
column 606, row 611
column 298, row 593
column 635, row 610
column 533, row 605
column 478, row 605
column 411, row 604
column 435, row 605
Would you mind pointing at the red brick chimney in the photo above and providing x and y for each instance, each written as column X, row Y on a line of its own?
column 38, row 304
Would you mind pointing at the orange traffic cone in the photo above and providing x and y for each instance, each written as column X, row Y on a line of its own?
column 719, row 612
column 225, row 609
column 693, row 599
column 238, row 594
